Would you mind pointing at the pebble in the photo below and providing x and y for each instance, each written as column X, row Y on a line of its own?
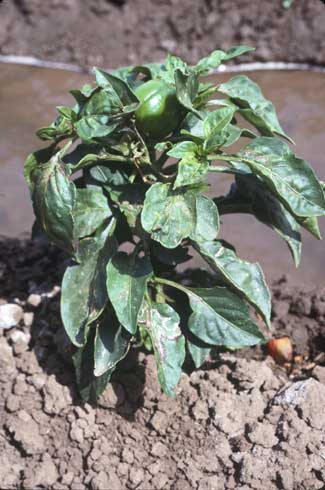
column 34, row 300
column 28, row 319
column 10, row 315
column 18, row 336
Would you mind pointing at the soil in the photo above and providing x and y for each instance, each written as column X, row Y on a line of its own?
column 116, row 32
column 241, row 422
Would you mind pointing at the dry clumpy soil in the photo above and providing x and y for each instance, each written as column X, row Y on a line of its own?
column 118, row 32
column 240, row 423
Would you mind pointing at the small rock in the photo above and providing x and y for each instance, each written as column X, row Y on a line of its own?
column 263, row 434
column 44, row 474
column 76, row 433
column 10, row 315
column 319, row 373
column 159, row 422
column 159, row 481
column 200, row 411
column 127, row 455
column 28, row 318
column 25, row 432
column 18, row 336
column 13, row 403
column 158, row 449
column 136, row 476
column 34, row 300
column 67, row 478
column 37, row 380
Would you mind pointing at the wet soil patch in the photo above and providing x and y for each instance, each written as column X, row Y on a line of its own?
column 241, row 422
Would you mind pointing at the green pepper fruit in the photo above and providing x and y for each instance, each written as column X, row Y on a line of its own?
column 160, row 113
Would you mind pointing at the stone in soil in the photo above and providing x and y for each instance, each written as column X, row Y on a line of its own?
column 10, row 315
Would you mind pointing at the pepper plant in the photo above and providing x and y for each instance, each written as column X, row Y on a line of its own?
column 122, row 189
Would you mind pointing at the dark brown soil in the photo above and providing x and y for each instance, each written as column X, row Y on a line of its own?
column 116, row 32
column 240, row 423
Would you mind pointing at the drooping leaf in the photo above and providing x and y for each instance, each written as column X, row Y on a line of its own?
column 206, row 222
column 90, row 387
column 112, row 343
column 311, row 224
column 186, row 89
column 84, row 296
column 246, row 278
column 252, row 196
column 53, row 200
column 127, row 277
column 287, row 176
column 168, row 215
column 199, row 353
column 172, row 64
column 90, row 211
column 168, row 344
column 217, row 57
column 221, row 318
column 117, row 89
column 259, row 111
column 33, row 164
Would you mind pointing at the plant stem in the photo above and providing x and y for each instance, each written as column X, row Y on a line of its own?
column 172, row 284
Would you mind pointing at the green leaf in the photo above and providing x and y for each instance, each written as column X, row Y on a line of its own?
column 193, row 126
column 254, row 197
column 255, row 108
column 217, row 57
column 287, row 176
column 183, row 149
column 84, row 296
column 172, row 64
column 110, row 176
column 117, row 90
column 112, row 343
column 193, row 167
column 186, row 89
column 89, row 386
column 215, row 128
column 191, row 171
column 34, row 162
column 168, row 344
column 206, row 224
column 129, row 198
column 198, row 353
column 217, row 121
column 62, row 127
column 91, row 210
column 221, row 318
column 96, row 126
column 53, row 200
column 168, row 214
column 127, row 278
column 100, row 115
column 311, row 225
column 246, row 278
column 172, row 215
